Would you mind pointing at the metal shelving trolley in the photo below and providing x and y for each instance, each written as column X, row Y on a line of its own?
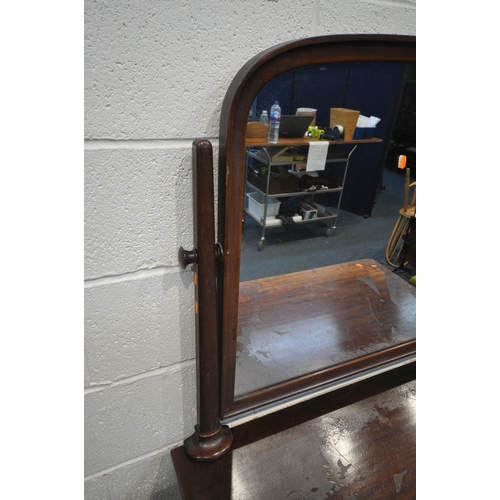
column 276, row 174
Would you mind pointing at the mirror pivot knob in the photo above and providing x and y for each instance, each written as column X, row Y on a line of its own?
column 187, row 257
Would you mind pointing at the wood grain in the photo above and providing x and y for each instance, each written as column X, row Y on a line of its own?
column 295, row 324
column 357, row 442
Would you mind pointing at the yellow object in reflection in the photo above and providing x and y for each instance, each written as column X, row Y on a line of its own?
column 315, row 132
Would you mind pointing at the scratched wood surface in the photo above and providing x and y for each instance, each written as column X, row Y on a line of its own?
column 298, row 323
column 359, row 445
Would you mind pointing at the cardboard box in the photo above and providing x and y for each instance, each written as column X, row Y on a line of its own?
column 278, row 154
column 348, row 118
column 257, row 130
column 281, row 180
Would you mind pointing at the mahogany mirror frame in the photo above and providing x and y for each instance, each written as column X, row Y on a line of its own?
column 252, row 77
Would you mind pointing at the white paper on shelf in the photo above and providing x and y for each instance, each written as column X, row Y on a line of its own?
column 316, row 156
column 271, row 221
column 367, row 122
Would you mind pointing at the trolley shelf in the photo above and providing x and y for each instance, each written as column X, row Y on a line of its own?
column 304, row 141
column 295, row 193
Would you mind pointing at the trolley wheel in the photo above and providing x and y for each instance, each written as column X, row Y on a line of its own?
column 329, row 232
column 261, row 245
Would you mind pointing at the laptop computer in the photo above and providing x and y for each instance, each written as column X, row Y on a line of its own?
column 293, row 126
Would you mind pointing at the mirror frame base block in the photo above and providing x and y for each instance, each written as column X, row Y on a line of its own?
column 205, row 447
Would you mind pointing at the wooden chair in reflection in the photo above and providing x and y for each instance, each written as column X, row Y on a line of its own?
column 397, row 250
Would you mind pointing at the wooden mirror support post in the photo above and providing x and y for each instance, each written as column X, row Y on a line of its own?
column 210, row 440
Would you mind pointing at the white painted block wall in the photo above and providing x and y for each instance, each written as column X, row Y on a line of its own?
column 156, row 72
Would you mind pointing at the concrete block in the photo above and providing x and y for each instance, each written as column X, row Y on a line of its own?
column 86, row 375
column 95, row 489
column 366, row 17
column 150, row 478
column 138, row 209
column 140, row 416
column 138, row 324
column 157, row 69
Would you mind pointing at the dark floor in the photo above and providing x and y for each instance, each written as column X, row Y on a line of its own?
column 355, row 237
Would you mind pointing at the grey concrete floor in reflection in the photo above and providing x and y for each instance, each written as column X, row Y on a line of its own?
column 355, row 237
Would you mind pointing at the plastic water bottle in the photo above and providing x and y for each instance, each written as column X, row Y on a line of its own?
column 274, row 123
column 264, row 117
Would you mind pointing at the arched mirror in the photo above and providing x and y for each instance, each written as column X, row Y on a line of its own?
column 325, row 321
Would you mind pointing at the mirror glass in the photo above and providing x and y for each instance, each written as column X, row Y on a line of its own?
column 273, row 348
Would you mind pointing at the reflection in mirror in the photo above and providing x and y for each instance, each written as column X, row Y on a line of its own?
column 353, row 309
column 319, row 217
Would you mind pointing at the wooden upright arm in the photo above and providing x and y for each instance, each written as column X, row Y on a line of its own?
column 210, row 440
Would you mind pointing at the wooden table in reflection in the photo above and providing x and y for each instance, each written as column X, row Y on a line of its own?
column 355, row 443
column 298, row 323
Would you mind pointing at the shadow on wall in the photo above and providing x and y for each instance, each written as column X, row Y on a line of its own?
column 162, row 491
